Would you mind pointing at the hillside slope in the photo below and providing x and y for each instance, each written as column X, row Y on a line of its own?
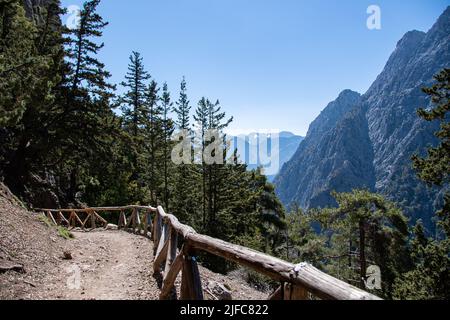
column 27, row 243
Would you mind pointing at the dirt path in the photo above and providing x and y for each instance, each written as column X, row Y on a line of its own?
column 116, row 265
column 105, row 265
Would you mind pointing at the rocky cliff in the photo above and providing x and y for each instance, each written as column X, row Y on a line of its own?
column 32, row 5
column 368, row 141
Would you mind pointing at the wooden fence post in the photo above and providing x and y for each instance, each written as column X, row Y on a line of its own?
column 122, row 220
column 92, row 215
column 293, row 292
column 58, row 218
column 51, row 218
column 170, row 258
column 172, row 250
column 133, row 219
column 100, row 218
column 161, row 252
column 146, row 223
column 156, row 232
column 70, row 220
column 191, row 284
column 138, row 221
column 63, row 218
column 86, row 220
column 170, row 276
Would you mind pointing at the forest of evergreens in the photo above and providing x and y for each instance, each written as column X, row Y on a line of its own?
column 65, row 128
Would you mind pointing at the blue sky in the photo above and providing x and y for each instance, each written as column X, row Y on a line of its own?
column 272, row 64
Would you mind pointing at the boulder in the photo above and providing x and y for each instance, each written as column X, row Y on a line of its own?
column 220, row 291
column 111, row 227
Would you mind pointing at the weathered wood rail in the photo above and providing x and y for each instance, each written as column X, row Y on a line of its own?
column 176, row 246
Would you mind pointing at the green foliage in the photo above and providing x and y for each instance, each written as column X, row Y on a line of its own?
column 430, row 278
column 167, row 131
column 30, row 62
column 153, row 143
column 67, row 123
column 64, row 233
column 435, row 168
column 303, row 243
column 87, row 73
column 61, row 231
column 183, row 108
column 18, row 61
column 134, row 109
column 46, row 221
column 376, row 232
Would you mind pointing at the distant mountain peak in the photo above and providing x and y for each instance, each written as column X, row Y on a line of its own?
column 286, row 134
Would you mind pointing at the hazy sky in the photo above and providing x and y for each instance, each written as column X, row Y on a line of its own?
column 273, row 64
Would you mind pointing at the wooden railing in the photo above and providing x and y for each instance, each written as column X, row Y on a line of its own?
column 176, row 246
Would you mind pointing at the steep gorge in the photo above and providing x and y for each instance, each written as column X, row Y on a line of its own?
column 368, row 141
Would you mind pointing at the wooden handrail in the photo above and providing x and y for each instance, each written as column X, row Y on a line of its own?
column 102, row 209
column 298, row 281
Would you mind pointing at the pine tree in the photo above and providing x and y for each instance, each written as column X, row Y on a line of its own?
column 167, row 130
column 183, row 108
column 87, row 98
column 270, row 212
column 153, row 136
column 184, row 196
column 303, row 242
column 368, row 230
column 134, row 99
column 87, row 71
column 217, row 122
column 210, row 119
column 201, row 126
column 134, row 108
column 430, row 277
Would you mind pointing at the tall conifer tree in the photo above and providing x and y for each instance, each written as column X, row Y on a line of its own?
column 185, row 181
column 153, row 137
column 168, row 129
column 134, row 107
